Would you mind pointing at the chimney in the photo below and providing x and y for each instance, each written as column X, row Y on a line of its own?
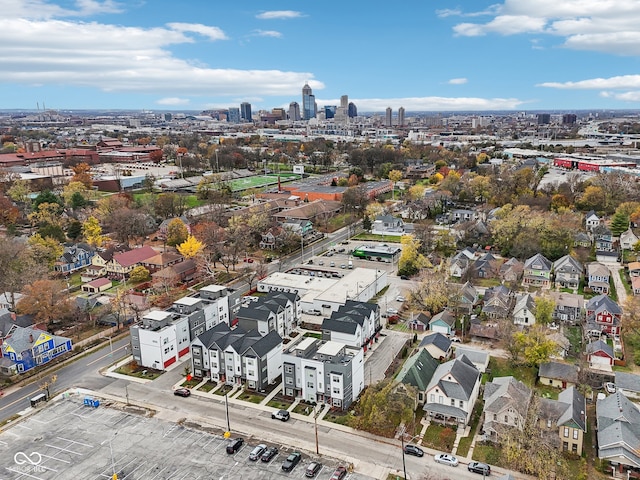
column 31, row 338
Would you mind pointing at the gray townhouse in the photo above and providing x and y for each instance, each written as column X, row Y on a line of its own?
column 276, row 311
column 323, row 372
column 237, row 357
column 355, row 324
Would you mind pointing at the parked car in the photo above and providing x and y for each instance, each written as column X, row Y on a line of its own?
column 392, row 311
column 281, row 415
column 341, row 250
column 312, row 469
column 479, row 467
column 291, row 461
column 320, row 262
column 446, row 459
column 404, row 277
column 339, row 473
column 610, row 387
column 413, row 450
column 257, row 451
column 343, row 266
column 182, row 392
column 332, row 264
column 234, row 445
column 268, row 454
column 400, row 298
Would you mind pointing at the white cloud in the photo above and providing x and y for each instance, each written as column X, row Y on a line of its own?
column 457, row 81
column 213, row 33
column 619, row 82
column 633, row 96
column 173, row 101
column 431, row 103
column 279, row 15
column 596, row 25
column 43, row 9
column 268, row 33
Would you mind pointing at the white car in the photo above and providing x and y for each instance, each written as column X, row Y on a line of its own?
column 400, row 298
column 446, row 459
column 392, row 311
column 610, row 387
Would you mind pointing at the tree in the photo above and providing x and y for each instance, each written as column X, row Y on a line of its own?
column 45, row 250
column 46, row 196
column 82, row 174
column 395, row 176
column 17, row 267
column 139, row 274
column 534, row 346
column 75, row 192
column 92, row 232
column 9, row 214
column 47, row 300
column 411, row 261
column 416, row 192
column 177, row 232
column 190, row 247
column 46, row 384
column 355, row 199
column 543, row 310
column 619, row 223
column 19, row 191
column 74, row 230
column 432, row 292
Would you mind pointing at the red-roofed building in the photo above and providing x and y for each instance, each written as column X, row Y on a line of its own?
column 97, row 285
column 122, row 263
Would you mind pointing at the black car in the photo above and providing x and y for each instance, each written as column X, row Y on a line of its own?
column 413, row 450
column 291, row 461
column 312, row 469
column 268, row 454
column 404, row 277
column 182, row 392
column 478, row 467
column 234, row 445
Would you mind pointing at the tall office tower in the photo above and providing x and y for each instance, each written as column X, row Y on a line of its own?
column 401, row 116
column 544, row 118
column 344, row 101
column 234, row 115
column 330, row 111
column 308, row 103
column 245, row 111
column 353, row 110
column 388, row 119
column 569, row 118
column 294, row 112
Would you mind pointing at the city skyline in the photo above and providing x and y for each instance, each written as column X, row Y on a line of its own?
column 473, row 56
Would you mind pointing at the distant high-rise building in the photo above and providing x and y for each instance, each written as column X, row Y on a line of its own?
column 344, row 101
column 245, row 111
column 544, row 118
column 281, row 113
column 234, row 115
column 353, row 110
column 294, row 112
column 330, row 111
column 569, row 118
column 308, row 103
column 401, row 116
column 388, row 119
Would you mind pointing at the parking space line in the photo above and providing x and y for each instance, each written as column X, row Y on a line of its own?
column 23, row 426
column 63, row 449
column 77, row 443
column 3, row 443
column 54, row 458
column 134, row 470
column 158, row 473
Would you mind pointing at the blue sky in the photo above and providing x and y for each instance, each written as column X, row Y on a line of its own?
column 422, row 55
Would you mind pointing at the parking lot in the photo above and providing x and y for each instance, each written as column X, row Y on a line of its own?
column 67, row 439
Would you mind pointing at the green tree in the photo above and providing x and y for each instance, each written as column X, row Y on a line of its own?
column 534, row 346
column 177, row 232
column 395, row 176
column 619, row 223
column 411, row 261
column 384, row 406
column 74, row 230
column 543, row 310
column 139, row 274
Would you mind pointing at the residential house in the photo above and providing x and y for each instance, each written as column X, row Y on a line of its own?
column 600, row 354
column 562, row 342
column 607, row 257
column 634, row 269
column 628, row 384
column 388, row 225
column 628, row 239
column 635, row 285
column 323, row 372
column 98, row 285
column 487, row 266
column 279, row 311
column 418, row 371
column 498, row 302
column 537, row 272
column 355, row 324
column 567, row 272
column 25, row 348
column 443, row 322
column 598, row 277
column 464, row 299
column 272, row 239
column 419, row 323
column 299, row 227
column 314, row 211
column 524, row 310
column 618, row 425
column 176, row 274
column 557, row 374
column 452, row 392
column 420, row 171
column 479, row 358
column 74, row 257
column 9, row 300
column 603, row 238
column 164, row 226
column 511, row 271
column 569, row 307
column 438, row 346
column 603, row 316
column 459, row 265
column 237, row 357
column 483, row 331
column 591, row 221
column 506, row 403
column 8, row 319
column 462, row 215
column 581, row 240
column 161, row 260
column 99, row 261
column 122, row 263
column 565, row 419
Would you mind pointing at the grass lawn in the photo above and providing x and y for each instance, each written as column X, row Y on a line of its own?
column 249, row 396
column 575, row 339
column 465, row 442
column 279, row 403
column 612, row 289
column 486, row 282
column 222, row 391
column 190, row 383
column 339, row 417
column 625, row 281
column 134, row 370
column 502, row 367
column 488, row 453
column 432, row 436
column 304, row 408
column 313, row 335
column 377, row 238
column 547, row 391
column 207, row 387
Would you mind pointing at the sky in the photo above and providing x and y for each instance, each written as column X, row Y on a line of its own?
column 435, row 55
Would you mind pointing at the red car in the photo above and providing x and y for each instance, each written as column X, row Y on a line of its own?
column 339, row 474
column 248, row 260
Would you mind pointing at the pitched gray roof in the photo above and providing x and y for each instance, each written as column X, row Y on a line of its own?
column 339, row 325
column 628, row 381
column 457, row 378
column 600, row 345
column 538, row 261
column 559, row 371
column 618, row 428
column 506, row 391
column 437, row 339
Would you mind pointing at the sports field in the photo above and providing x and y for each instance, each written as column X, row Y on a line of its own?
column 261, row 181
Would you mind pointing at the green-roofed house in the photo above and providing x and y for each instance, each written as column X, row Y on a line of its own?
column 418, row 371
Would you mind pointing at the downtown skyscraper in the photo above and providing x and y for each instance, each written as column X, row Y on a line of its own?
column 308, row 103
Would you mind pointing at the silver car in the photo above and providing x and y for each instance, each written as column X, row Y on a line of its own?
column 446, row 459
column 257, row 451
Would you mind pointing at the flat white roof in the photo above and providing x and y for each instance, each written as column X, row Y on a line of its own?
column 350, row 285
column 187, row 301
column 304, row 343
column 213, row 288
column 157, row 315
column 331, row 348
column 302, row 283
